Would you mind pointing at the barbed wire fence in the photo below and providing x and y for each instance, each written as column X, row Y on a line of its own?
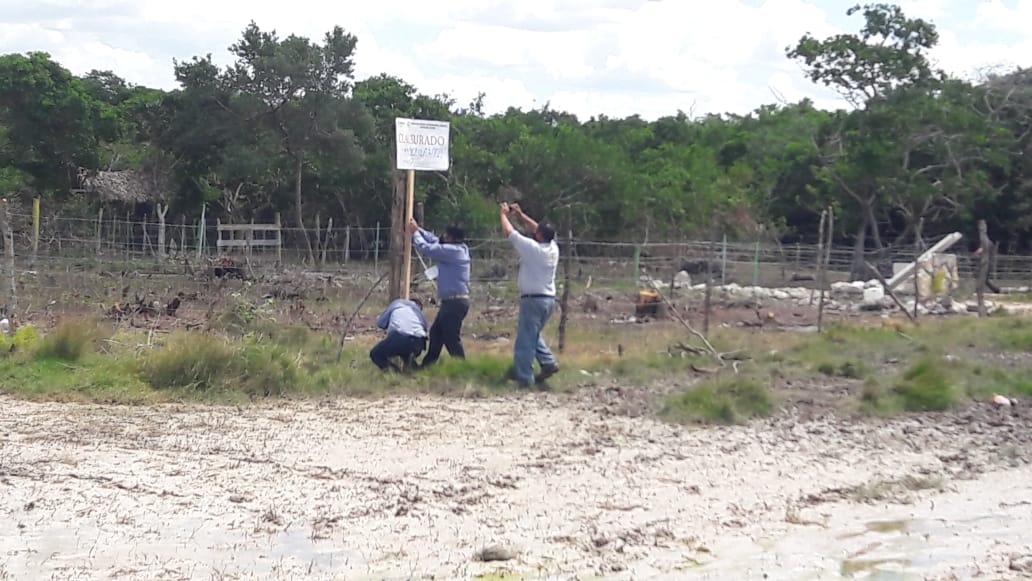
column 67, row 244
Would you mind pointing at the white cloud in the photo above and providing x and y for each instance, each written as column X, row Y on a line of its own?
column 1013, row 16
column 616, row 57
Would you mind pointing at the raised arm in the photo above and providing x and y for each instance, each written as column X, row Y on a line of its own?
column 529, row 222
column 507, row 228
column 430, row 246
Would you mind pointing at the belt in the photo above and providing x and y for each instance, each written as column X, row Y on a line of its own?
column 537, row 296
column 455, row 297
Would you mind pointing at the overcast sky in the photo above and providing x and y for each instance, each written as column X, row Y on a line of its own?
column 616, row 57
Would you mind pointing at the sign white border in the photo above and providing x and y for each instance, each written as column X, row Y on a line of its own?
column 421, row 144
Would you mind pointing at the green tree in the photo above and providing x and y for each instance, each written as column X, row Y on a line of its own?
column 53, row 127
column 888, row 56
column 292, row 88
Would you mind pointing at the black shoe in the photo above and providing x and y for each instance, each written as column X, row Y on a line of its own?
column 546, row 372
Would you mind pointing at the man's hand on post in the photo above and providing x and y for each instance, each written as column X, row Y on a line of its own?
column 412, row 227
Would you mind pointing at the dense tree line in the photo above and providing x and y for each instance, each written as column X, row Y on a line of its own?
column 286, row 128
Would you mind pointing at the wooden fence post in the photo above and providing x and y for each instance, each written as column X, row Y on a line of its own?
column 161, row 209
column 8, row 236
column 100, row 224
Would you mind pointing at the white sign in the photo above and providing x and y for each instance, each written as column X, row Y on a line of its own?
column 422, row 145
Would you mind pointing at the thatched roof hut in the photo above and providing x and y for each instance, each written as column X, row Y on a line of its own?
column 125, row 186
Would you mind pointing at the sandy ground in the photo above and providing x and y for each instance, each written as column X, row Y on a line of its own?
column 417, row 487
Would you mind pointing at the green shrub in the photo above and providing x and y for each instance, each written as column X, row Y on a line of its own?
column 207, row 363
column 724, row 401
column 926, row 387
column 70, row 340
column 23, row 338
column 846, row 369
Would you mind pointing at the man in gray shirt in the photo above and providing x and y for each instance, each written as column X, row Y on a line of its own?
column 539, row 256
column 406, row 334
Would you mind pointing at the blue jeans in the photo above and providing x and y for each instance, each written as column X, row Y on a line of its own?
column 397, row 345
column 534, row 314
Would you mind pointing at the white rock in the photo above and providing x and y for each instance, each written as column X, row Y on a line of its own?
column 847, row 288
column 873, row 295
column 682, row 280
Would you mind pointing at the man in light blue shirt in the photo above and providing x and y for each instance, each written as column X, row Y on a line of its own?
column 406, row 334
column 539, row 256
column 452, row 257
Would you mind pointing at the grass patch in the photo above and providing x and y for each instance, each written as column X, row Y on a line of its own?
column 724, row 400
column 925, row 386
column 883, row 369
column 208, row 363
column 71, row 339
column 473, row 376
column 93, row 378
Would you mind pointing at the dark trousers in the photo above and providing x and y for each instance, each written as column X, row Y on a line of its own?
column 406, row 347
column 446, row 331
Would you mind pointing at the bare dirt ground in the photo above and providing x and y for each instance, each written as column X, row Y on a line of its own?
column 555, row 486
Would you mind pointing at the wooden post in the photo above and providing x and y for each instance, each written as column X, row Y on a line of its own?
column 820, row 257
column 347, row 243
column 35, row 228
column 917, row 264
column 564, row 303
column 250, row 240
column 128, row 236
column 376, row 249
column 984, row 247
column 200, row 233
column 707, row 297
column 318, row 236
column 636, row 274
column 406, row 265
column 823, row 269
column 279, row 241
column 161, row 210
column 723, row 262
column 397, row 237
column 8, row 235
column 756, row 265
column 326, row 242
column 100, row 224
column 145, row 246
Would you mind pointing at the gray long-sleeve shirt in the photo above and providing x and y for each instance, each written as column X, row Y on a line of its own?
column 403, row 316
column 452, row 262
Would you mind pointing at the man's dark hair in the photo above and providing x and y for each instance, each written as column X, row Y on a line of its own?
column 547, row 232
column 456, row 233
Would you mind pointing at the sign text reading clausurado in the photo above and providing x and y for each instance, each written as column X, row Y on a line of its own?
column 423, row 140
column 422, row 145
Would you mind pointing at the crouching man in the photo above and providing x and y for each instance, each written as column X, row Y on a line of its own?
column 406, row 335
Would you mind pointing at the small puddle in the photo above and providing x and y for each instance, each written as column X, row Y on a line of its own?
column 874, row 569
column 887, row 526
column 319, row 553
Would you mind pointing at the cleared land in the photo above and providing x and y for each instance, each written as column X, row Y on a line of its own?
column 872, row 448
